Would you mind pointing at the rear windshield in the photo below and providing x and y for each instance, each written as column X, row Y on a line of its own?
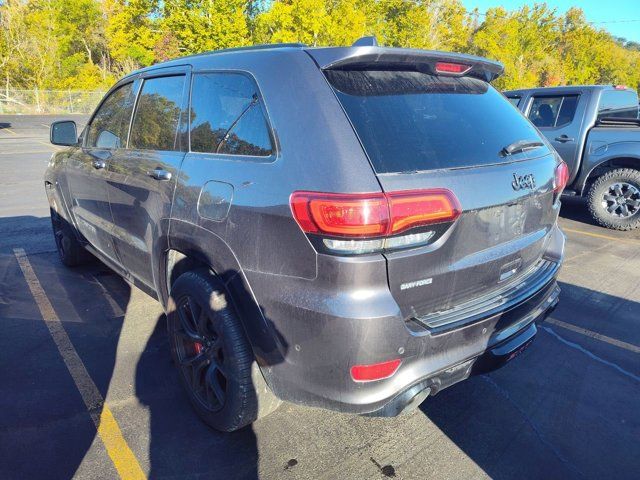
column 410, row 121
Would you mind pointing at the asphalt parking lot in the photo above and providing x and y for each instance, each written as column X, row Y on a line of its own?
column 568, row 407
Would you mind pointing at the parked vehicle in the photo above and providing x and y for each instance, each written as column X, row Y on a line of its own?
column 596, row 130
column 350, row 228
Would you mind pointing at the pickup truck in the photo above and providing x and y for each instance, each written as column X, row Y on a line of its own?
column 596, row 131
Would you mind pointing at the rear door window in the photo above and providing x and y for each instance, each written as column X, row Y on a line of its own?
column 553, row 111
column 618, row 104
column 411, row 121
column 227, row 116
column 155, row 122
column 515, row 101
column 110, row 125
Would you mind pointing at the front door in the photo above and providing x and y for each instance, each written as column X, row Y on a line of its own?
column 142, row 181
column 87, row 170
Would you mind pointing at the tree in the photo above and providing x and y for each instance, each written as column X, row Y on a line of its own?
column 313, row 22
column 431, row 24
column 525, row 41
column 201, row 25
column 130, row 30
column 86, row 44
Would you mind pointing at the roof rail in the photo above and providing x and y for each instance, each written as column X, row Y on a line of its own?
column 370, row 41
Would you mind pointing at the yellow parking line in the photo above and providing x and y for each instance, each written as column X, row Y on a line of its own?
column 107, row 427
column 8, row 130
column 55, row 148
column 605, row 237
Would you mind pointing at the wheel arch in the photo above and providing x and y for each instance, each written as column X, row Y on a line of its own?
column 606, row 165
column 192, row 247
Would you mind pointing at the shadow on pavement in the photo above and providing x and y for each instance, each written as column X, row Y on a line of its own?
column 180, row 445
column 45, row 429
column 565, row 408
column 576, row 209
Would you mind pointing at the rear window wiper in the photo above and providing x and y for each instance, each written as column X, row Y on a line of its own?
column 520, row 146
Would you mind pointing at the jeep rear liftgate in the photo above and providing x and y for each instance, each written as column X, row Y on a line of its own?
column 435, row 127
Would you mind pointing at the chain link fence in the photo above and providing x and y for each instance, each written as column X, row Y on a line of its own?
column 48, row 101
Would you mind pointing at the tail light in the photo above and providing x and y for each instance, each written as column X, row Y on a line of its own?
column 376, row 371
column 452, row 68
column 561, row 178
column 360, row 223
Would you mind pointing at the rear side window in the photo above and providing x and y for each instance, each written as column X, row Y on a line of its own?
column 155, row 122
column 412, row 121
column 618, row 104
column 514, row 100
column 227, row 116
column 110, row 124
column 553, row 111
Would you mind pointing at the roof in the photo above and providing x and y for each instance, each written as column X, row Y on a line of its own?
column 354, row 56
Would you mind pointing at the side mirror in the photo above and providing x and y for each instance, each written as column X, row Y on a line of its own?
column 64, row 133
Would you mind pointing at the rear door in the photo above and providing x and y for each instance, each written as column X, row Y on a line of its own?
column 424, row 131
column 142, row 181
column 87, row 170
column 559, row 118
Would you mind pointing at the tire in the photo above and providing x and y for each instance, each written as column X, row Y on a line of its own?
column 213, row 357
column 70, row 250
column 614, row 199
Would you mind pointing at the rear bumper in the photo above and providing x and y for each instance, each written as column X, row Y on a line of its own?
column 324, row 337
column 492, row 359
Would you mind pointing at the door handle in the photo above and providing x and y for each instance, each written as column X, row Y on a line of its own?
column 564, row 139
column 99, row 164
column 159, row 174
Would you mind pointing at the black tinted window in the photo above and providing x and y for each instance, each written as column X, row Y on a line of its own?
column 514, row 100
column 226, row 116
column 409, row 121
column 618, row 104
column 553, row 111
column 567, row 110
column 110, row 124
column 155, row 123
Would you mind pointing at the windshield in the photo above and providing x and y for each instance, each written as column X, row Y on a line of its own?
column 411, row 121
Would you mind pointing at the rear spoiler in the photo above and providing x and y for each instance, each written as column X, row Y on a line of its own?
column 380, row 58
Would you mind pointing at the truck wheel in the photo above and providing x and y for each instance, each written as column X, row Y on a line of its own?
column 614, row 199
column 70, row 250
column 213, row 357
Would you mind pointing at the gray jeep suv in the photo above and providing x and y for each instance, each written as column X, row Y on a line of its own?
column 352, row 228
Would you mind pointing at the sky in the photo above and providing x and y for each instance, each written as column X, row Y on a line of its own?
column 617, row 13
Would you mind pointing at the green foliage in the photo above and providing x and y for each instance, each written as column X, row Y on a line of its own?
column 87, row 44
column 201, row 25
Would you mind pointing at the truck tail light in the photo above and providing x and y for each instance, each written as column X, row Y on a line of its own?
column 561, row 178
column 375, row 371
column 452, row 68
column 359, row 223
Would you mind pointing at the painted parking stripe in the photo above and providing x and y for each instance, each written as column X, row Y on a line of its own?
column 605, row 237
column 107, row 427
column 594, row 335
